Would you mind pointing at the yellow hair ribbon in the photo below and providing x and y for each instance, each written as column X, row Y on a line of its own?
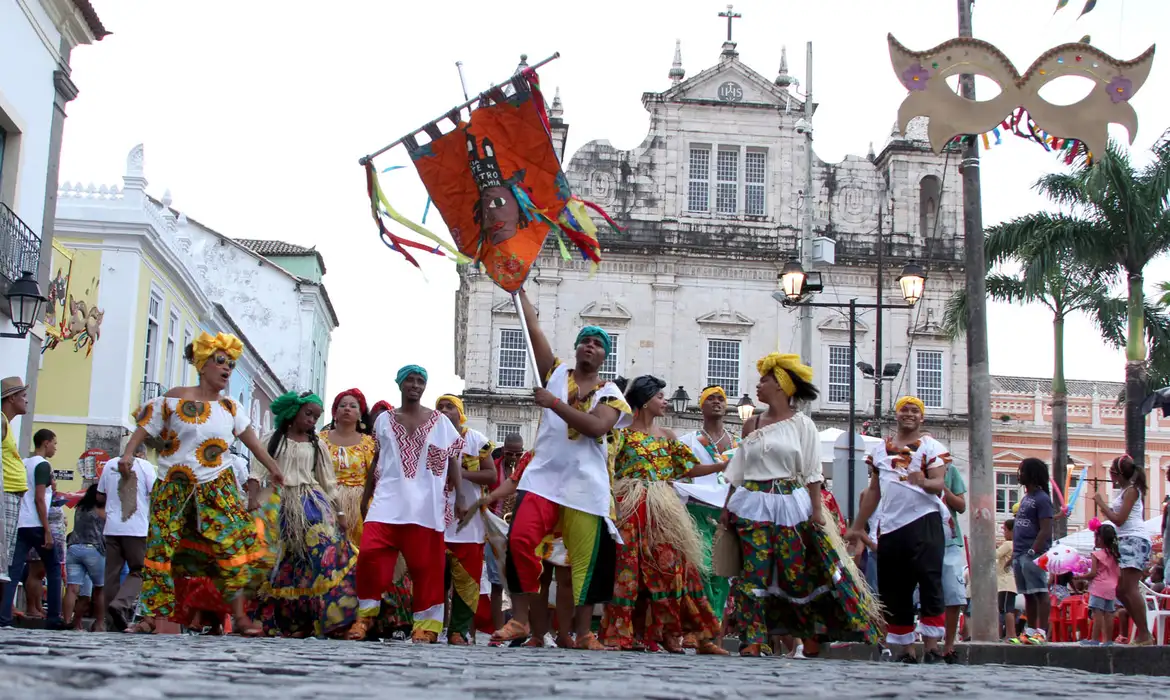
column 206, row 345
column 780, row 365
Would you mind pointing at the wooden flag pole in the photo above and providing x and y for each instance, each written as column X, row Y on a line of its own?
column 367, row 158
column 537, row 381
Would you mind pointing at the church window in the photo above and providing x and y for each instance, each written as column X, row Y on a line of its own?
column 698, row 197
column 727, row 181
column 928, row 377
column 149, row 369
column 723, row 364
column 839, row 372
column 929, row 193
column 755, row 177
column 1007, row 492
column 609, row 368
column 513, row 359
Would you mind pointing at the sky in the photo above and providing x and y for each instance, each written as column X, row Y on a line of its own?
column 254, row 114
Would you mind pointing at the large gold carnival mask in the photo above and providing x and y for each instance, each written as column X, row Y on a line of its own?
column 925, row 73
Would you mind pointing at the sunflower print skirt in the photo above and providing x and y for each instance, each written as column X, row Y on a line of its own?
column 201, row 531
column 793, row 580
column 311, row 593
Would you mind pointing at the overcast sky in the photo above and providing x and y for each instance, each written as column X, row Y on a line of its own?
column 254, row 114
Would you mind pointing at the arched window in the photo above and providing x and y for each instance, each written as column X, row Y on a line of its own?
column 929, row 194
column 255, row 413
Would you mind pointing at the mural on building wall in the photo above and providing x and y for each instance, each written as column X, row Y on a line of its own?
column 69, row 319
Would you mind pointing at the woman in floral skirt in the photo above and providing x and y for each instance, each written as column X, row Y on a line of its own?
column 797, row 578
column 659, row 561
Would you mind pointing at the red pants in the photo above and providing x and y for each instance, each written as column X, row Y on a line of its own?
column 424, row 551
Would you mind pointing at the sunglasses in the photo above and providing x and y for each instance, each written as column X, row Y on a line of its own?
column 225, row 360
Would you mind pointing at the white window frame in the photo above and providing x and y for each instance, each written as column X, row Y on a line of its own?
column 150, row 361
column 499, row 364
column 503, row 430
column 185, row 369
column 761, row 186
column 705, row 180
column 1011, row 491
column 734, row 182
column 942, row 373
column 830, row 385
column 615, row 355
column 173, row 361
column 709, row 379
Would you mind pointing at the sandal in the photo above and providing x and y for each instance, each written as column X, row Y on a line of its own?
column 690, row 641
column 534, row 642
column 246, row 627
column 511, row 631
column 456, row 639
column 710, row 648
column 589, row 642
column 143, row 626
column 358, row 630
column 672, row 646
column 424, row 637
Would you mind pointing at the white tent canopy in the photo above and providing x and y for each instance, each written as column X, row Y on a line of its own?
column 829, row 441
column 1084, row 540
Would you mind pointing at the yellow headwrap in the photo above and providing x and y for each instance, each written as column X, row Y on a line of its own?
column 206, row 345
column 912, row 400
column 711, row 391
column 777, row 364
column 457, row 402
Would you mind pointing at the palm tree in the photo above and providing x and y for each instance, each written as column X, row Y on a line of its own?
column 1116, row 218
column 1067, row 288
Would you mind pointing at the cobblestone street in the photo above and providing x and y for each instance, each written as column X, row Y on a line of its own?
column 98, row 666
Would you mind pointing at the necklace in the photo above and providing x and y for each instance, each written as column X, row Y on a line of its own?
column 713, row 441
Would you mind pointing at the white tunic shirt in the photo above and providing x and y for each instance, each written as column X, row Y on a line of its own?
column 902, row 502
column 412, row 471
column 788, row 450
column 136, row 525
column 474, row 445
column 568, row 468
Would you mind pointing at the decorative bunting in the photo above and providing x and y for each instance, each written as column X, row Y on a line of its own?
column 1088, row 8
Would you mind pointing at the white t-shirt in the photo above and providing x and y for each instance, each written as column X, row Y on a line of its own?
column 138, row 524
column 571, row 469
column 412, row 471
column 902, row 502
column 28, row 516
column 474, row 445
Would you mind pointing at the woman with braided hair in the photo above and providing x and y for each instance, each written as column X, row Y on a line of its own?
column 658, row 578
column 797, row 579
column 311, row 591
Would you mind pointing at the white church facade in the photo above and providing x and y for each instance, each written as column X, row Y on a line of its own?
column 711, row 203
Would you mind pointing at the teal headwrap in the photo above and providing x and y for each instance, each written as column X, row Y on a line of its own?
column 286, row 406
column 407, row 371
column 595, row 332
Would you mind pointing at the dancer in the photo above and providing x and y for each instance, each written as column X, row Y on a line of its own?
column 419, row 457
column 658, row 586
column 465, row 539
column 908, row 473
column 566, row 487
column 311, row 590
column 352, row 449
column 198, row 522
column 797, row 578
column 510, row 454
column 705, row 496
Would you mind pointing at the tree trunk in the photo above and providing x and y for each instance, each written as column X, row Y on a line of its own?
column 1135, row 423
column 1059, row 419
column 1135, row 372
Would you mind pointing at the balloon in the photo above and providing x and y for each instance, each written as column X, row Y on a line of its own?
column 1062, row 559
column 1056, row 490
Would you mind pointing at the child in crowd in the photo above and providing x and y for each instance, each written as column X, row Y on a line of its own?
column 1030, row 538
column 1006, row 582
column 1103, row 578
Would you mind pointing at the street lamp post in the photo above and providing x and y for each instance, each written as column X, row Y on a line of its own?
column 25, row 304
column 792, row 294
column 745, row 408
column 680, row 400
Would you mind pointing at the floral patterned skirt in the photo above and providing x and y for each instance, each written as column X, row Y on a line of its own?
column 794, row 581
column 657, row 594
column 311, row 592
column 201, row 531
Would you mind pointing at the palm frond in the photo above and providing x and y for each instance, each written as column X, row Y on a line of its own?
column 954, row 322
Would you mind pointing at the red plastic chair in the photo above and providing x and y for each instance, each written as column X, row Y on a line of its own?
column 1071, row 620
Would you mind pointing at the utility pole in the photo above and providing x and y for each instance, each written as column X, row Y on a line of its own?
column 981, row 475
column 809, row 204
column 878, row 368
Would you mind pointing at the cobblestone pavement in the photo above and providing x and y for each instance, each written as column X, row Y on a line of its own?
column 97, row 666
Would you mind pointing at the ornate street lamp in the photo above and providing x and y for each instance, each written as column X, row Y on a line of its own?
column 25, row 304
column 745, row 408
column 912, row 280
column 680, row 400
column 792, row 279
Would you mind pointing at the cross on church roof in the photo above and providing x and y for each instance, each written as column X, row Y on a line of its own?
column 730, row 16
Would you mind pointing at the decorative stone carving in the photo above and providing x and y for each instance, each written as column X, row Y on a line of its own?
column 725, row 321
column 606, row 313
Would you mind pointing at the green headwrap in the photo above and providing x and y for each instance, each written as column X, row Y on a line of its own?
column 595, row 332
column 407, row 371
column 286, row 406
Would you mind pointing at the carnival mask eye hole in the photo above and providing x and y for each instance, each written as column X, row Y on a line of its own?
column 986, row 87
column 1066, row 90
column 496, row 203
